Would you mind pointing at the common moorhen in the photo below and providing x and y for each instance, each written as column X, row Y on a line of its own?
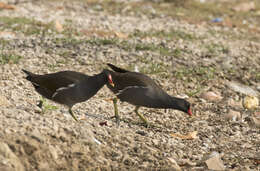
column 68, row 87
column 140, row 90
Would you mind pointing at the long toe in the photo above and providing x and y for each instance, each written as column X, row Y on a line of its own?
column 142, row 117
column 146, row 124
column 118, row 121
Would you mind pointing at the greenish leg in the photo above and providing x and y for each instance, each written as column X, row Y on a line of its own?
column 116, row 111
column 141, row 116
column 71, row 113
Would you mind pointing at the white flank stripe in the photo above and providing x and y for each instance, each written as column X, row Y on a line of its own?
column 71, row 85
column 62, row 88
column 35, row 84
column 129, row 87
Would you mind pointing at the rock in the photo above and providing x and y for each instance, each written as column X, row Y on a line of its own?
column 233, row 115
column 214, row 162
column 174, row 164
column 257, row 114
column 53, row 152
column 4, row 101
column 237, row 87
column 183, row 96
column 211, row 96
column 250, row 102
column 141, row 132
column 58, row 26
column 156, row 142
column 244, row 7
column 9, row 159
column 7, row 35
column 236, row 104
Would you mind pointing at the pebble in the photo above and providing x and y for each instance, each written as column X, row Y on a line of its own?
column 237, row 87
column 236, row 104
column 250, row 102
column 211, row 96
column 214, row 162
column 233, row 115
column 3, row 101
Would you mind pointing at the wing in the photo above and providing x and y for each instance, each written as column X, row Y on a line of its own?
column 122, row 80
column 58, row 80
column 140, row 96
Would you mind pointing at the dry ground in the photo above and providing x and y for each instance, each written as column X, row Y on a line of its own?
column 175, row 43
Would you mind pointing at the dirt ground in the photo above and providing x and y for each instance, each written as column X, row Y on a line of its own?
column 214, row 64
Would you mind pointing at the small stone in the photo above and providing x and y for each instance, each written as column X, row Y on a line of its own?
column 236, row 104
column 250, row 102
column 58, row 26
column 4, row 101
column 257, row 114
column 174, row 164
column 141, row 132
column 233, row 115
column 237, row 87
column 156, row 142
column 211, row 96
column 53, row 152
column 244, row 7
column 215, row 163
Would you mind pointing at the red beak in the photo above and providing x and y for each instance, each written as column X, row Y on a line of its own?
column 110, row 80
column 189, row 112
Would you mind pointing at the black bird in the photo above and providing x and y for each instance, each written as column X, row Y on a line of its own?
column 68, row 87
column 140, row 90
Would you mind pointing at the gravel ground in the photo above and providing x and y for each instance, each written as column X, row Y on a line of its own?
column 197, row 59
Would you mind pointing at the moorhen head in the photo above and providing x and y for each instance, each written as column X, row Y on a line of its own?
column 68, row 87
column 140, row 90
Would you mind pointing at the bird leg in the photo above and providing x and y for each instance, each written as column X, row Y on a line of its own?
column 71, row 113
column 141, row 116
column 116, row 111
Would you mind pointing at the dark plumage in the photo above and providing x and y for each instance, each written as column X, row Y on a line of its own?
column 68, row 87
column 140, row 90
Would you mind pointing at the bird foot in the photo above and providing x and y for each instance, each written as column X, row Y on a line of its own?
column 146, row 124
column 117, row 119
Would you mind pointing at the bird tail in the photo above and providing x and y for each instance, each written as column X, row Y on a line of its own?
column 117, row 69
column 29, row 75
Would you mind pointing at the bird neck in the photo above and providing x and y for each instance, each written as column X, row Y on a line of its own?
column 100, row 80
column 103, row 78
column 174, row 102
